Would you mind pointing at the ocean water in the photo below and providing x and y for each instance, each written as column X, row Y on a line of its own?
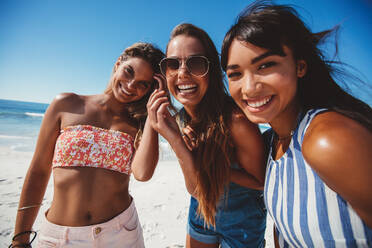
column 20, row 124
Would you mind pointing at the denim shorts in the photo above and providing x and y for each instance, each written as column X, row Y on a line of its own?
column 240, row 220
column 124, row 230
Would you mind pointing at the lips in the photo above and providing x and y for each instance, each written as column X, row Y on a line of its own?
column 187, row 88
column 125, row 91
column 259, row 102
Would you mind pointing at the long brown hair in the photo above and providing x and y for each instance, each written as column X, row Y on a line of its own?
column 148, row 52
column 214, row 151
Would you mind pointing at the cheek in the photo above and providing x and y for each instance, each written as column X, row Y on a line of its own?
column 171, row 84
column 205, row 85
column 234, row 89
column 288, row 82
column 143, row 93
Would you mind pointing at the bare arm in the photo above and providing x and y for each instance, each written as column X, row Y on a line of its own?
column 342, row 157
column 249, row 153
column 147, row 154
column 38, row 174
column 163, row 123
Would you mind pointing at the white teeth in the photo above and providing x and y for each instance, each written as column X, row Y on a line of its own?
column 258, row 103
column 186, row 86
column 123, row 89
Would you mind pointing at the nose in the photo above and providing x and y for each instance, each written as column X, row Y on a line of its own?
column 250, row 85
column 182, row 70
column 132, row 84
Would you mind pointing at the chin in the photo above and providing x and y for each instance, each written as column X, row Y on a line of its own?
column 255, row 118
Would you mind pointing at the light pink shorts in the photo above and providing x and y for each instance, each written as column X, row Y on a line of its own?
column 122, row 231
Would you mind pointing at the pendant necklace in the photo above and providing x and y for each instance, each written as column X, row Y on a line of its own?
column 281, row 139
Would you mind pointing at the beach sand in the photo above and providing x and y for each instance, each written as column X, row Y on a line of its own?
column 162, row 202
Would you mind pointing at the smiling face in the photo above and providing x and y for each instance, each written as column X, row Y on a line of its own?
column 263, row 84
column 132, row 79
column 185, row 87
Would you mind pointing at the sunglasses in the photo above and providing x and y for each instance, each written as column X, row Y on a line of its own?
column 196, row 65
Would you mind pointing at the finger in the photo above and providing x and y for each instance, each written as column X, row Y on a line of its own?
column 187, row 142
column 163, row 112
column 153, row 105
column 191, row 136
column 161, row 81
column 153, row 109
column 189, row 132
column 154, row 96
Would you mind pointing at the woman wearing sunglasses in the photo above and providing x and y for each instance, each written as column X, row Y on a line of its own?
column 219, row 150
column 318, row 179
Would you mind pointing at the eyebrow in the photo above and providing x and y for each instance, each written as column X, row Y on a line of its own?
column 262, row 56
column 256, row 59
column 232, row 67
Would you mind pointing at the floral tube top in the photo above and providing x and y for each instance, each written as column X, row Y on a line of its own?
column 89, row 146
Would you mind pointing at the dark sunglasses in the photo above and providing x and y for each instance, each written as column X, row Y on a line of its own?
column 197, row 65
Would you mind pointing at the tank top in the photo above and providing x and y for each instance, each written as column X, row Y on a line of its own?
column 306, row 212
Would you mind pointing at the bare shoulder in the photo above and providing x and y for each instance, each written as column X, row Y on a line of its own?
column 243, row 130
column 62, row 103
column 240, row 123
column 333, row 140
column 68, row 99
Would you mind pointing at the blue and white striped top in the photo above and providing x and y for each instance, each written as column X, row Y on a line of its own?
column 306, row 212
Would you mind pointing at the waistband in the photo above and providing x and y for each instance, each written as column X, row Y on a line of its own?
column 87, row 232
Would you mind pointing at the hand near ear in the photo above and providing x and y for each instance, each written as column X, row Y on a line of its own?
column 162, row 82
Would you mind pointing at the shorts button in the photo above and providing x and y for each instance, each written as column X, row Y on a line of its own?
column 98, row 230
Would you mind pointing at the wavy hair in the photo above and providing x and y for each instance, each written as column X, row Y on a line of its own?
column 214, row 152
column 271, row 26
column 153, row 55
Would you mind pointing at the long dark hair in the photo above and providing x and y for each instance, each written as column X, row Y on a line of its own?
column 214, row 147
column 271, row 26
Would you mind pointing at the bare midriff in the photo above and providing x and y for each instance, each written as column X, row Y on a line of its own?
column 87, row 196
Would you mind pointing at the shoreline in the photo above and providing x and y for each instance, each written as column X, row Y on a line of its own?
column 162, row 202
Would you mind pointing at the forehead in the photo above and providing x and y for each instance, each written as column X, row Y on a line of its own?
column 184, row 46
column 241, row 50
column 142, row 68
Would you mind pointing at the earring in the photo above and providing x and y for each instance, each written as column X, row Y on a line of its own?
column 301, row 66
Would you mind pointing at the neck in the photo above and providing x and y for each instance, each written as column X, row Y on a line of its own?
column 286, row 123
column 112, row 105
column 191, row 111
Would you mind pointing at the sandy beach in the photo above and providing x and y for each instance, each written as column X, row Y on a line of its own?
column 162, row 202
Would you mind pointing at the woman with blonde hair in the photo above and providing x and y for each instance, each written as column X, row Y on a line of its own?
column 89, row 142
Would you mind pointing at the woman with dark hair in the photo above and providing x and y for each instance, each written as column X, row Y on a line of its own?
column 219, row 150
column 89, row 143
column 317, row 187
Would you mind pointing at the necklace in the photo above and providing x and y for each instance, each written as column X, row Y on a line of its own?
column 291, row 133
column 282, row 141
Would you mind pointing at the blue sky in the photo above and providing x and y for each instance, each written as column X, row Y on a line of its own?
column 48, row 47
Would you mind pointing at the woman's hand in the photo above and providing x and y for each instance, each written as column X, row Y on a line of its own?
column 189, row 137
column 158, row 114
column 162, row 82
